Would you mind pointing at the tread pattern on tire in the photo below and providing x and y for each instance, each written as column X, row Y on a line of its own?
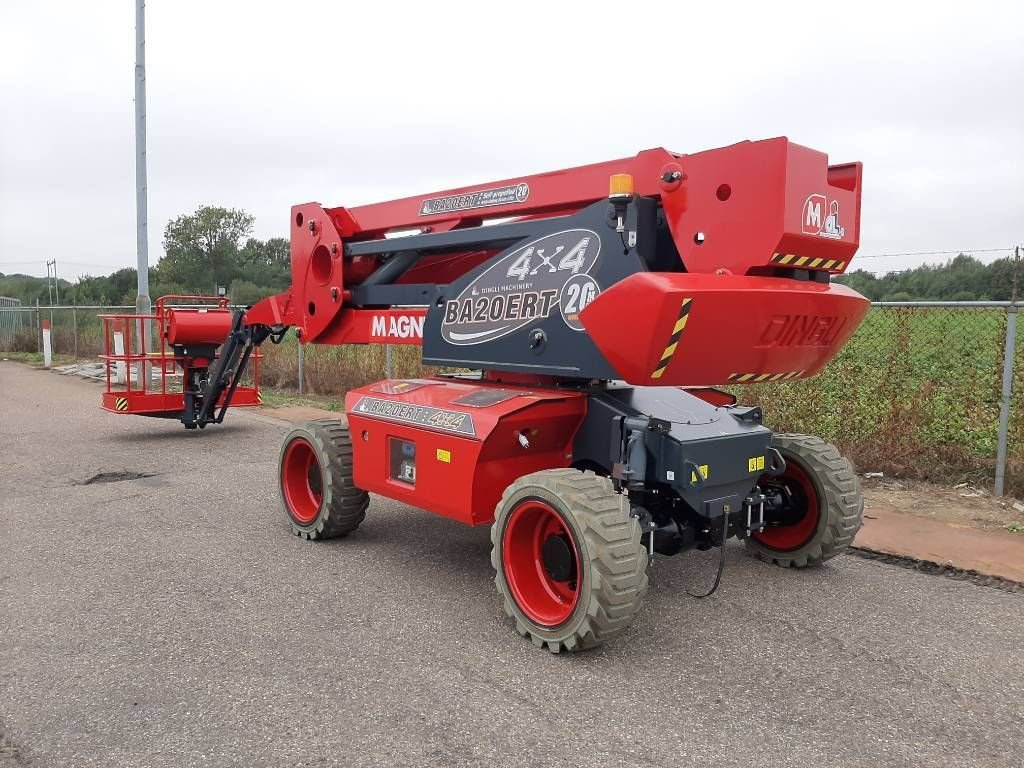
column 842, row 503
column 618, row 561
column 344, row 505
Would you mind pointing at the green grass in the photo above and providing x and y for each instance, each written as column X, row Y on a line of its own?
column 36, row 358
column 280, row 398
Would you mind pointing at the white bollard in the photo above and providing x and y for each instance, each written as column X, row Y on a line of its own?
column 47, row 346
column 119, row 368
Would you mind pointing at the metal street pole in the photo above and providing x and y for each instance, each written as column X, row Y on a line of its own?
column 1006, row 395
column 1004, row 400
column 53, row 264
column 56, row 286
column 142, row 302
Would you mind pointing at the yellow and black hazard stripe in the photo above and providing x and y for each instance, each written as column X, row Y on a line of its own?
column 121, row 403
column 673, row 341
column 756, row 378
column 792, row 260
column 259, row 397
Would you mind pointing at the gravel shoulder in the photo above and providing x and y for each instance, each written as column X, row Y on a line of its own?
column 961, row 505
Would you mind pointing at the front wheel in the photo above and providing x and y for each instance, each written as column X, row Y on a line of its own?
column 567, row 557
column 315, row 473
column 822, row 501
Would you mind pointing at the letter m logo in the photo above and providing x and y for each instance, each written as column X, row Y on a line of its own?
column 811, row 218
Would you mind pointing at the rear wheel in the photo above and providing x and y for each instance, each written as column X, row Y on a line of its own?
column 822, row 502
column 568, row 560
column 315, row 472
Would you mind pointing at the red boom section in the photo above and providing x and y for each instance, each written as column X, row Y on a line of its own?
column 738, row 216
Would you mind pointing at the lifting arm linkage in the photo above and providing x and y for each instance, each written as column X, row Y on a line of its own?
column 230, row 367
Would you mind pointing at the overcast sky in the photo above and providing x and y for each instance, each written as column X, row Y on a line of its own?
column 263, row 105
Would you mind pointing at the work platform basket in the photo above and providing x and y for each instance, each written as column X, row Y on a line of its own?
column 153, row 379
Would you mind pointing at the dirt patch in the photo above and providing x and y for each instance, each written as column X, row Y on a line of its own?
column 114, row 477
column 959, row 505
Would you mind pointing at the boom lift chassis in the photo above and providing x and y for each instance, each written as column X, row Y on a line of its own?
column 590, row 313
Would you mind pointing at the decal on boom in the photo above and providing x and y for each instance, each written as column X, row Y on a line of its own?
column 525, row 286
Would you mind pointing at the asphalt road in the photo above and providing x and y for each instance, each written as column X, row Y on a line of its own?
column 175, row 621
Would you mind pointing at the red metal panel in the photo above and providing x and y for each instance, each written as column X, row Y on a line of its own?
column 137, row 402
column 737, row 329
column 197, row 326
column 317, row 274
column 736, row 207
column 376, row 326
column 462, row 470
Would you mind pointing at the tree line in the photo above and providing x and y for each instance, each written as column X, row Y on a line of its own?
column 964, row 278
column 202, row 250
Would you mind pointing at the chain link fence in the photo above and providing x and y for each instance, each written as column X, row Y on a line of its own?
column 10, row 322
column 76, row 331
column 915, row 393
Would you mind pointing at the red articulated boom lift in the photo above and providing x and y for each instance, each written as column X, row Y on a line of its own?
column 597, row 308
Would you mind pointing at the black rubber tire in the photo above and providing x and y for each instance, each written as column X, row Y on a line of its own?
column 613, row 563
column 343, row 505
column 840, row 500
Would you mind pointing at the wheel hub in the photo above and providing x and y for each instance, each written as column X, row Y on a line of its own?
column 558, row 559
column 796, row 511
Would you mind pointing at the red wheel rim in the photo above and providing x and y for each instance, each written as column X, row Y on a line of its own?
column 797, row 484
column 545, row 600
column 301, row 481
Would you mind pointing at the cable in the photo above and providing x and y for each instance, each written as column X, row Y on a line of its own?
column 966, row 251
column 721, row 562
column 62, row 261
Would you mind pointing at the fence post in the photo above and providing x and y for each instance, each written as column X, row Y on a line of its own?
column 39, row 329
column 74, row 324
column 388, row 361
column 120, row 367
column 1004, row 401
column 302, row 376
column 47, row 344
